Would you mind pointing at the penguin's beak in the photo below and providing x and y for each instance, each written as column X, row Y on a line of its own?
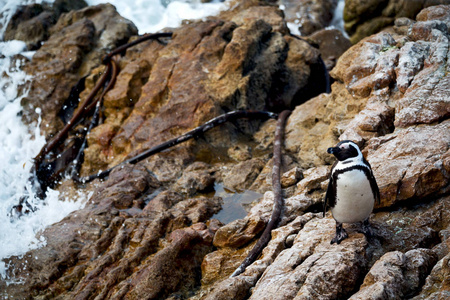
column 333, row 150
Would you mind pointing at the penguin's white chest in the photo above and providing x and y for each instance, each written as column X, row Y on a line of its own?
column 354, row 197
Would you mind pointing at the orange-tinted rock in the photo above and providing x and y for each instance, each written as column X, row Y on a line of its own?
column 71, row 52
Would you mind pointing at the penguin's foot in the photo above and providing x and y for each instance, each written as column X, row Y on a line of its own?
column 341, row 234
column 367, row 229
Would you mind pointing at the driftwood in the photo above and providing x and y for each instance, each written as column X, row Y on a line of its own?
column 198, row 131
column 278, row 199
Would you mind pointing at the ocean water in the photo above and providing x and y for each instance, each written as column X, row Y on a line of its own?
column 19, row 143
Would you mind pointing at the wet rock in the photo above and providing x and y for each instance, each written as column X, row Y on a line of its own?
column 66, row 57
column 31, row 23
column 242, row 175
column 240, row 152
column 309, row 16
column 198, row 177
column 332, row 44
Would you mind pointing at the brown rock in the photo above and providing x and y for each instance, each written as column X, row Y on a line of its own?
column 315, row 125
column 168, row 268
column 377, row 119
column 291, row 177
column 269, row 14
column 364, row 18
column 332, row 44
column 239, row 232
column 313, row 268
column 69, row 54
column 309, row 16
column 396, row 275
column 31, row 23
column 437, row 283
column 417, row 165
column 198, row 177
column 146, row 233
column 242, row 175
column 239, row 286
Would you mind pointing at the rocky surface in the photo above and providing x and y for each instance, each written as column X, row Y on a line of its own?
column 76, row 44
column 149, row 230
column 365, row 17
column 309, row 16
column 31, row 23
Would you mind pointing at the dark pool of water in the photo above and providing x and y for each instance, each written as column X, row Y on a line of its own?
column 235, row 204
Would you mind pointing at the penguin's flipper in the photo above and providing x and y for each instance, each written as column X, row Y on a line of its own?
column 330, row 195
column 326, row 200
column 373, row 183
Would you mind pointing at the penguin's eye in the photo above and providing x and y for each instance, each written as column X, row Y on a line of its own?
column 344, row 146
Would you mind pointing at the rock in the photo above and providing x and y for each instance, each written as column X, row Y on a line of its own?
column 396, row 275
column 240, row 152
column 407, row 177
column 291, row 177
column 239, row 232
column 74, row 40
column 309, row 16
column 436, row 285
column 242, row 175
column 169, row 267
column 112, row 223
column 314, row 126
column 311, row 269
column 198, row 177
column 239, row 286
column 332, row 44
column 269, row 14
column 31, row 23
column 238, row 61
column 363, row 18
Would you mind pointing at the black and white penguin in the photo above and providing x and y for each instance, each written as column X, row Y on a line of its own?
column 352, row 190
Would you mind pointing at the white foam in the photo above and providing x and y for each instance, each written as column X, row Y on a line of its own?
column 151, row 16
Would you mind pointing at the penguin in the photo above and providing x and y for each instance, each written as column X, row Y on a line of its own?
column 352, row 189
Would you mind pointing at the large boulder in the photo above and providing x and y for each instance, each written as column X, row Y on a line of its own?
column 366, row 17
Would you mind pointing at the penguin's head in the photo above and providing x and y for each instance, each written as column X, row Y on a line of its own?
column 345, row 150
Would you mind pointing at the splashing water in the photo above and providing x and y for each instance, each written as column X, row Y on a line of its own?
column 19, row 144
column 17, row 148
column 152, row 16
